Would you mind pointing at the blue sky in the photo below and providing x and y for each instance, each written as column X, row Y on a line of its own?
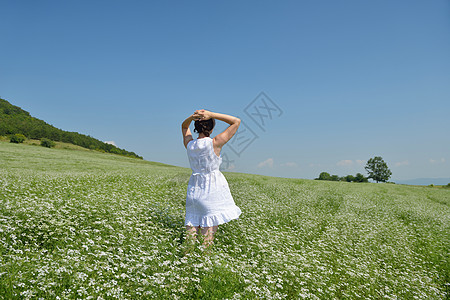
column 351, row 79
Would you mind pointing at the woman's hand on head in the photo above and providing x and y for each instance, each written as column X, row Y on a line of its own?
column 202, row 114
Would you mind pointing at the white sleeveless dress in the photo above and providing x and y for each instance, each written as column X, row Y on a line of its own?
column 209, row 201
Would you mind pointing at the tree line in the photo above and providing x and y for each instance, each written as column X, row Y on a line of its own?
column 376, row 168
column 15, row 120
column 349, row 178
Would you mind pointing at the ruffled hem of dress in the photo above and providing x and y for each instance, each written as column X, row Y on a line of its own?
column 214, row 220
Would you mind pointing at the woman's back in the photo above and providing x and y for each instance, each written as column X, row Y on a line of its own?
column 202, row 157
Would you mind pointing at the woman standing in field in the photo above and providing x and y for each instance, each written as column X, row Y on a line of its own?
column 209, row 202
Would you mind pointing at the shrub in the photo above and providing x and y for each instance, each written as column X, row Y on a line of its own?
column 47, row 143
column 17, row 138
column 431, row 185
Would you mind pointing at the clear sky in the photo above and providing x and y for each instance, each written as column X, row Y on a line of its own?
column 347, row 80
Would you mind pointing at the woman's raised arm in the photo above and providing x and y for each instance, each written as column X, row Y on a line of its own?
column 187, row 135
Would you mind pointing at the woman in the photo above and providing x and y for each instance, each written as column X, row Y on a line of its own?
column 209, row 202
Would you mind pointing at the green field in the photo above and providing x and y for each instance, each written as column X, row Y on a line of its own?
column 83, row 224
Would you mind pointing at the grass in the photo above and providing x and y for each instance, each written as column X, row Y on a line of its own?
column 83, row 224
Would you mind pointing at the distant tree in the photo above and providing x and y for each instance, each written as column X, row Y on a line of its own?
column 17, row 138
column 378, row 169
column 360, row 178
column 324, row 176
column 349, row 178
column 335, row 178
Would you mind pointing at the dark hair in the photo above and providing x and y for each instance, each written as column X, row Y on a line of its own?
column 204, row 126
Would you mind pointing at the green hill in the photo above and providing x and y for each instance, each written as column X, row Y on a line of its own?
column 14, row 120
column 75, row 224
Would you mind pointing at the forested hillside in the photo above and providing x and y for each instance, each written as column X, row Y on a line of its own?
column 14, row 120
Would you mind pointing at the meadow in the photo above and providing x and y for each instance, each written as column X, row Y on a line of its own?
column 88, row 225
